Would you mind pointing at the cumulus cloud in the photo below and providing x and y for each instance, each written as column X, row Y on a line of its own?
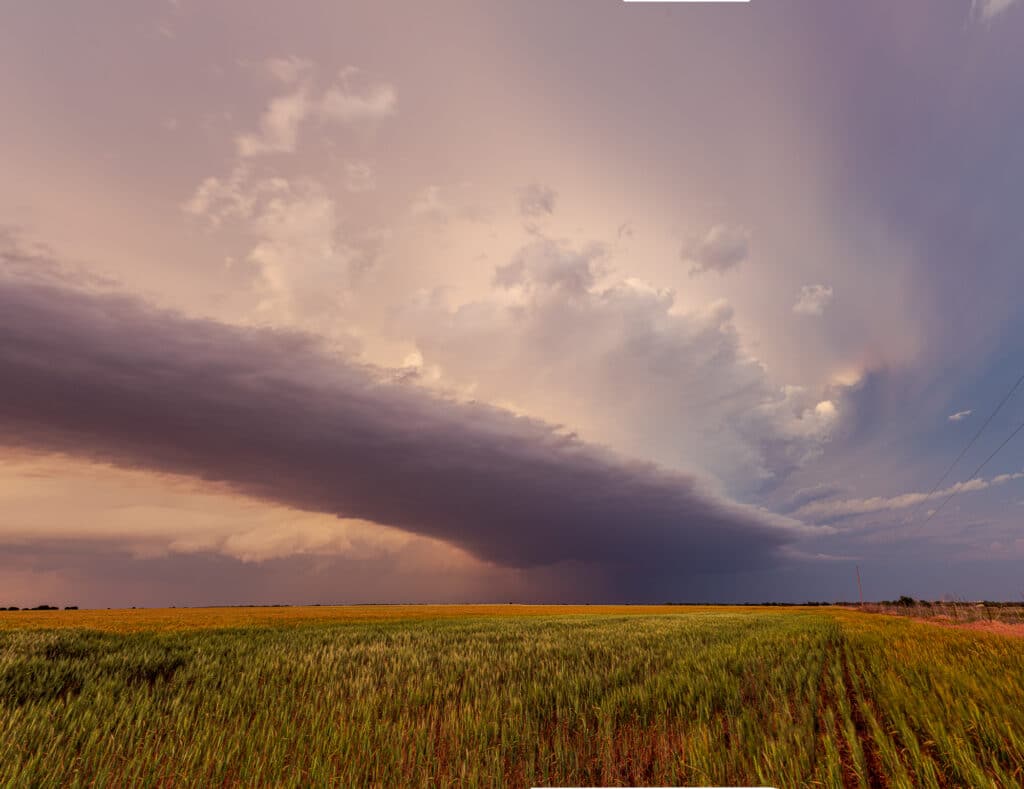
column 987, row 10
column 302, row 259
column 353, row 98
column 274, row 416
column 289, row 70
column 813, row 300
column 625, row 364
column 959, row 416
column 545, row 265
column 218, row 199
column 300, row 254
column 279, row 126
column 724, row 247
column 305, row 264
column 842, row 508
column 536, row 200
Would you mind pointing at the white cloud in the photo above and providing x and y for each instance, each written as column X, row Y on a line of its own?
column 544, row 266
column 352, row 99
column 621, row 362
column 289, row 70
column 989, row 9
column 300, row 254
column 219, row 199
column 959, row 416
column 279, row 126
column 724, row 247
column 304, row 263
column 813, row 300
column 838, row 508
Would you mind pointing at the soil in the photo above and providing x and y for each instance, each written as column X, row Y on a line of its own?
column 1002, row 628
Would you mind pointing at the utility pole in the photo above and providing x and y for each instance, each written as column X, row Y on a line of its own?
column 860, row 591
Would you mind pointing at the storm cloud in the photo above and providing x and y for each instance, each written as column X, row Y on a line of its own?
column 277, row 416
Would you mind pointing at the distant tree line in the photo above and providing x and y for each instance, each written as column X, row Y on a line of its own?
column 40, row 608
column 809, row 602
column 906, row 601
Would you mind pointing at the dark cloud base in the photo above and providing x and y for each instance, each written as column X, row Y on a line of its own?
column 276, row 416
column 100, row 573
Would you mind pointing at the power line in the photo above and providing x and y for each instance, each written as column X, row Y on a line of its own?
column 967, row 448
column 975, row 474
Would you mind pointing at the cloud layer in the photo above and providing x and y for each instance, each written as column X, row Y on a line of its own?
column 276, row 416
column 561, row 337
column 372, row 208
column 843, row 508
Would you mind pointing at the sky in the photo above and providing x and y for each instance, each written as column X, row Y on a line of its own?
column 345, row 302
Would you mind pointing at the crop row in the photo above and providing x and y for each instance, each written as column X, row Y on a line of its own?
column 789, row 699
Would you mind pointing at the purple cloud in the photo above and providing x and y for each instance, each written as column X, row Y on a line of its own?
column 276, row 416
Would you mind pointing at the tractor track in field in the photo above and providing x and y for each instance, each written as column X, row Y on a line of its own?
column 826, row 701
column 876, row 771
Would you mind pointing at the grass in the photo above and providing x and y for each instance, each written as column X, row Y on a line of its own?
column 473, row 696
column 170, row 619
column 1004, row 613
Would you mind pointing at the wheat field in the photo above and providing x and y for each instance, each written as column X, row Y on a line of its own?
column 505, row 696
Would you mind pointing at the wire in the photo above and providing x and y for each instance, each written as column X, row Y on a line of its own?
column 975, row 474
column 965, row 449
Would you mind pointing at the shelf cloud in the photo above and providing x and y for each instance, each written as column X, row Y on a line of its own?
column 277, row 416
